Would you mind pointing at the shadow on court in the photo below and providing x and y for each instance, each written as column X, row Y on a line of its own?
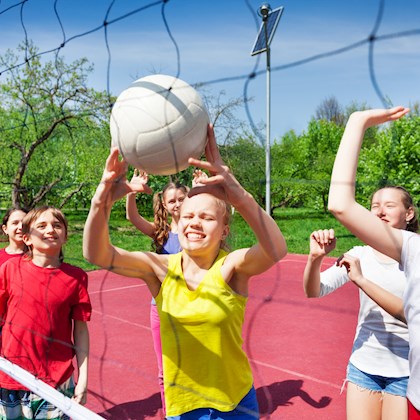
column 279, row 394
column 298, row 347
column 135, row 410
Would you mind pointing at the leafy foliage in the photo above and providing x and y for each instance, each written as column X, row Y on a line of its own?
column 394, row 159
column 50, row 120
column 55, row 137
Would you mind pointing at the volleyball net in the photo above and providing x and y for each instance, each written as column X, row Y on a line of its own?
column 83, row 117
column 47, row 392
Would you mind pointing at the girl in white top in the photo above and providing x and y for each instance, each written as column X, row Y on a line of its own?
column 398, row 244
column 379, row 359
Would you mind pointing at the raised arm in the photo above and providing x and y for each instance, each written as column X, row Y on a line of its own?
column 342, row 203
column 321, row 243
column 386, row 300
column 97, row 247
column 132, row 213
column 271, row 246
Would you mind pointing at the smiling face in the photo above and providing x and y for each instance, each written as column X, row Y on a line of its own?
column 45, row 232
column 172, row 200
column 13, row 227
column 202, row 224
column 388, row 205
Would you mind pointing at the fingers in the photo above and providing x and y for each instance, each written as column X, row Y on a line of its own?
column 212, row 150
column 198, row 173
column 398, row 112
column 202, row 164
column 115, row 169
column 347, row 261
column 198, row 177
column 80, row 398
column 214, row 162
column 380, row 116
column 342, row 261
column 112, row 159
column 206, row 180
column 323, row 236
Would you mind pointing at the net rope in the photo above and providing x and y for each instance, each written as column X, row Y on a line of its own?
column 370, row 40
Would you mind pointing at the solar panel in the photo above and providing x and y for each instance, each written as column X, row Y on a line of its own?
column 261, row 43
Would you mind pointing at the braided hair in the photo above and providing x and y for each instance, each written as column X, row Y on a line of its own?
column 161, row 216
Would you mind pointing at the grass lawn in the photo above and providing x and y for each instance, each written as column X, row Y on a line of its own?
column 296, row 225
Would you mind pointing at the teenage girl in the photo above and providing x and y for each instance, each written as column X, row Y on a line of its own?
column 377, row 373
column 200, row 292
column 12, row 228
column 164, row 232
column 45, row 304
column 401, row 245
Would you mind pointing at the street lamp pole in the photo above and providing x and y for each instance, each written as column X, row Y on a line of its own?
column 268, row 110
column 270, row 20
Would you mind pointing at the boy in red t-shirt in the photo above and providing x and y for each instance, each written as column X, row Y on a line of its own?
column 45, row 304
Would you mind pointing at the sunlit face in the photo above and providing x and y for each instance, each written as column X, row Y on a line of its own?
column 46, row 235
column 202, row 223
column 13, row 227
column 172, row 200
column 387, row 204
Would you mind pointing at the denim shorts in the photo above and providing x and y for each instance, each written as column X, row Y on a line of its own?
column 393, row 386
column 247, row 409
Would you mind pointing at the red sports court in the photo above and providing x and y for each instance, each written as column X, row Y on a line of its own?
column 299, row 347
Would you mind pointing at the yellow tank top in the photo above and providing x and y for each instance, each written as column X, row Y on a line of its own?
column 203, row 362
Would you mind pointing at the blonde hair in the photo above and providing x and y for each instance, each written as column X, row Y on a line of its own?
column 161, row 216
column 227, row 217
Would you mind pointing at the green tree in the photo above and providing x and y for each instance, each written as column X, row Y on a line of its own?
column 394, row 159
column 303, row 164
column 47, row 114
column 288, row 189
column 246, row 158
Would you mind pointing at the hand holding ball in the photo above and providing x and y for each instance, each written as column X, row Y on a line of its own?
column 158, row 123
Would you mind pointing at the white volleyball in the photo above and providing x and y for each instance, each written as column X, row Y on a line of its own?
column 158, row 123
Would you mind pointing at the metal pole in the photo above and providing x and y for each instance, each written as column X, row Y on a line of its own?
column 267, row 144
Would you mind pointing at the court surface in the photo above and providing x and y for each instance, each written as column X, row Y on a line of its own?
column 299, row 347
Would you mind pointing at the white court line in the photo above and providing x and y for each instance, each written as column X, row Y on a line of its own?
column 117, row 288
column 300, row 375
column 135, row 324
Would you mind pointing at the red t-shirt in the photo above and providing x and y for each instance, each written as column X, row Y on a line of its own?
column 4, row 256
column 39, row 305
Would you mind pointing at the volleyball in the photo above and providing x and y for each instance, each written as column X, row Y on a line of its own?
column 157, row 123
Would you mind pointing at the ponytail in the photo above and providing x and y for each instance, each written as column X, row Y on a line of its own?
column 162, row 226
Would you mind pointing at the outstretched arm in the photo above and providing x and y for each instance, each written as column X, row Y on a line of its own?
column 97, row 247
column 271, row 246
column 367, row 227
column 322, row 242
column 386, row 300
column 139, row 179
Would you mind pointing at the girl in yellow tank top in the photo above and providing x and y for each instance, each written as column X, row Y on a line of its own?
column 201, row 292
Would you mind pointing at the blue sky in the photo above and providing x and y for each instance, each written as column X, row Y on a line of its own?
column 215, row 37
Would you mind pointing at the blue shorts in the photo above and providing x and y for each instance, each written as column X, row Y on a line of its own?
column 393, row 386
column 247, row 409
